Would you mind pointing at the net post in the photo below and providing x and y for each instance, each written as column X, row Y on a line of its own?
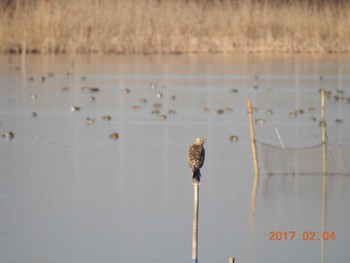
column 195, row 223
column 252, row 137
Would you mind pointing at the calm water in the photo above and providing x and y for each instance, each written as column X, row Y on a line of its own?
column 69, row 193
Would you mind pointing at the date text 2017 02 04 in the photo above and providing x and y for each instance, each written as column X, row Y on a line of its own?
column 305, row 235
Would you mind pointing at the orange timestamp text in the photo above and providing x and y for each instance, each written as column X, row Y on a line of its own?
column 305, row 235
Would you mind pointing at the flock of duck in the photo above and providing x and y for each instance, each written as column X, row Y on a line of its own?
column 157, row 109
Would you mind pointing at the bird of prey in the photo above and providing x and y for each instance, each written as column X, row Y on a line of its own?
column 196, row 155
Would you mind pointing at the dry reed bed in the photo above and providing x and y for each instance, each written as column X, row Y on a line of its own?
column 180, row 26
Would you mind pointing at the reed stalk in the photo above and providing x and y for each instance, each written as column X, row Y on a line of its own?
column 160, row 26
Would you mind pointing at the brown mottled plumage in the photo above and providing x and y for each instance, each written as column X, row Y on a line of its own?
column 196, row 155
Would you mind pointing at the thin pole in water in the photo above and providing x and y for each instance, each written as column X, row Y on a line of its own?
column 324, row 157
column 252, row 137
column 195, row 223
column 283, row 148
column 324, row 136
column 279, row 138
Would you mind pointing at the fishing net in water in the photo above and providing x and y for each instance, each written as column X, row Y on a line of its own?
column 306, row 161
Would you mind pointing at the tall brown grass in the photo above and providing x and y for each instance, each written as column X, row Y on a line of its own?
column 160, row 26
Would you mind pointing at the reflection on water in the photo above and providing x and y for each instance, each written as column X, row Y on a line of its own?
column 70, row 193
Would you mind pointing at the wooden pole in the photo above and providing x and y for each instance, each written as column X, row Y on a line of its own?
column 324, row 157
column 231, row 260
column 195, row 223
column 323, row 133
column 252, row 137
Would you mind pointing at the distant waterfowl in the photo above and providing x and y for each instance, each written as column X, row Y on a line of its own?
column 143, row 101
column 74, row 108
column 31, row 78
column 114, row 136
column 152, row 86
column 34, row 114
column 335, row 98
column 157, row 105
column 312, row 119
column 260, row 121
column 233, row 138
column 171, row 111
column 162, row 117
column 89, row 121
column 234, row 90
column 65, row 89
column 292, row 114
column 338, row 121
column 33, row 96
column 125, row 91
column 51, row 74
column 107, row 118
column 83, row 78
column 269, row 112
column 219, row 111
column 320, row 78
column 312, row 110
column 90, row 89
column 136, row 107
column 159, row 95
column 43, row 78
column 173, row 97
column 92, row 98
column 205, row 109
column 155, row 112
column 300, row 111
column 8, row 135
column 228, row 109
column 255, row 87
column 339, row 91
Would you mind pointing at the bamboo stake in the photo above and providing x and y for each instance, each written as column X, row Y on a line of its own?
column 252, row 137
column 324, row 157
column 195, row 223
column 231, row 260
column 323, row 132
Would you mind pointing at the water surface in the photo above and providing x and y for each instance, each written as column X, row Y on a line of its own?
column 69, row 193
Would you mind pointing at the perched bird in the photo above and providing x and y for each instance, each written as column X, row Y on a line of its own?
column 196, row 154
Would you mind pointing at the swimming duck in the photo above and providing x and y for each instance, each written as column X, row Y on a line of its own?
column 114, row 136
column 8, row 135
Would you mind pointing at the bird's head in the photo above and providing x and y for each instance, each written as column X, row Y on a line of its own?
column 200, row 141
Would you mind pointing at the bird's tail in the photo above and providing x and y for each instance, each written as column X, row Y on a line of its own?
column 196, row 176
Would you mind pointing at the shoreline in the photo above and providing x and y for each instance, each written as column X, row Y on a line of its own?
column 175, row 27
